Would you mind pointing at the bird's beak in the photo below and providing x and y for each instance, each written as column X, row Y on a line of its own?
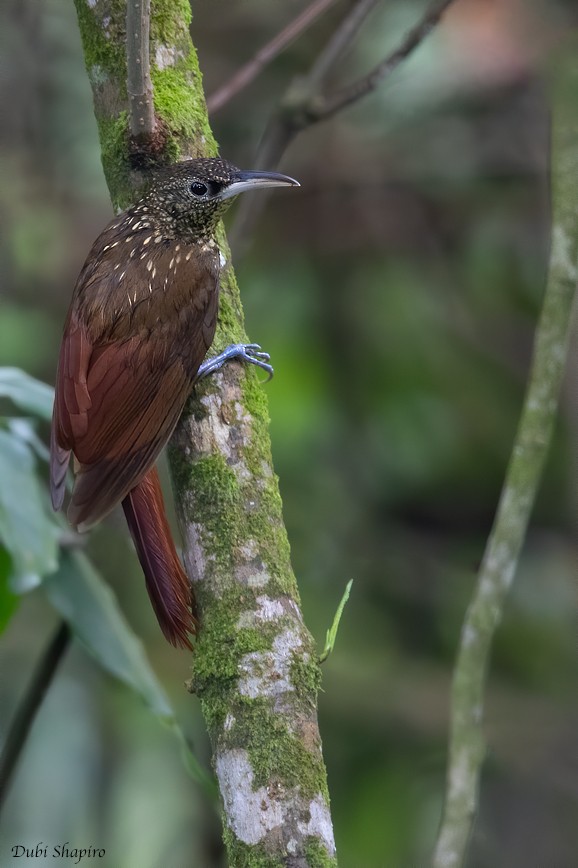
column 243, row 181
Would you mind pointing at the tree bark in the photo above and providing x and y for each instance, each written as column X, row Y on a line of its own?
column 255, row 667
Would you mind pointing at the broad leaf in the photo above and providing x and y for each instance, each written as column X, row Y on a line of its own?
column 27, row 393
column 25, row 430
column 26, row 530
column 88, row 605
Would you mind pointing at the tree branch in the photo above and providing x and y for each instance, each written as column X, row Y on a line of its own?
column 322, row 108
column 138, row 80
column 467, row 748
column 30, row 705
column 255, row 668
column 304, row 104
column 341, row 39
column 249, row 71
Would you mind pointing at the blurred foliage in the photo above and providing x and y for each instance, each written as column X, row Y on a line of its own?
column 34, row 550
column 397, row 294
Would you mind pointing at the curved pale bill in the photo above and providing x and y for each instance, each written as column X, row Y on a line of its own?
column 256, row 181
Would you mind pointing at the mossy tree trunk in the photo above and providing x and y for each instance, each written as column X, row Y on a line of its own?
column 255, row 668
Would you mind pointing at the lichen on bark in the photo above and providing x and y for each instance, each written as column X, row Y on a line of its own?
column 255, row 667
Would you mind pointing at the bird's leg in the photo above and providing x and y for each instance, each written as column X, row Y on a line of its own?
column 250, row 353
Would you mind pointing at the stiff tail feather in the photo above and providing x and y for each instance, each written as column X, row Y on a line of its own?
column 167, row 584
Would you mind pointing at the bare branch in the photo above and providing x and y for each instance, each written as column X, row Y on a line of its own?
column 247, row 73
column 303, row 105
column 341, row 39
column 324, row 108
column 467, row 746
column 139, row 85
column 30, row 704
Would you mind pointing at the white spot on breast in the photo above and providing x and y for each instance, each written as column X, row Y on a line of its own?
column 147, row 239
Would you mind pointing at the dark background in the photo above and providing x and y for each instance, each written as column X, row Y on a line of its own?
column 398, row 293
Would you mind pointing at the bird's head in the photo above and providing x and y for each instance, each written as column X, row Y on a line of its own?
column 188, row 199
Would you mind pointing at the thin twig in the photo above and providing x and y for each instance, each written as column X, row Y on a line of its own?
column 467, row 747
column 303, row 105
column 247, row 73
column 29, row 706
column 341, row 39
column 139, row 84
column 325, row 107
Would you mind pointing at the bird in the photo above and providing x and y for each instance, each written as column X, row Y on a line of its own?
column 141, row 320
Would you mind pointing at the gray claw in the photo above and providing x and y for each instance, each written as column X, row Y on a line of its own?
column 250, row 353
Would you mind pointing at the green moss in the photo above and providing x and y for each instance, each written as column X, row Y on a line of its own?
column 276, row 754
column 219, row 653
column 113, row 143
column 179, row 103
column 305, row 675
column 213, row 492
column 317, row 856
column 255, row 399
column 221, row 644
column 231, row 327
column 170, row 20
column 172, row 95
column 102, row 54
column 245, row 856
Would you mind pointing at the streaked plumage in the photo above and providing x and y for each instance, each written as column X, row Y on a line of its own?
column 142, row 317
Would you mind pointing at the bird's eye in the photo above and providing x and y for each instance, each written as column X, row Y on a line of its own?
column 198, row 189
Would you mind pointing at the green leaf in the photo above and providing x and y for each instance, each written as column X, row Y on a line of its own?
column 332, row 632
column 88, row 605
column 26, row 530
column 25, row 430
column 90, row 608
column 8, row 600
column 27, row 393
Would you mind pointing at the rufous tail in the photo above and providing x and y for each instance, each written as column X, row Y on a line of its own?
column 167, row 583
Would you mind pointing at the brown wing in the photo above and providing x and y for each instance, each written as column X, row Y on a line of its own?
column 124, row 375
column 115, row 411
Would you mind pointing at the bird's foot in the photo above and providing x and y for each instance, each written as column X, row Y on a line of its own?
column 250, row 353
